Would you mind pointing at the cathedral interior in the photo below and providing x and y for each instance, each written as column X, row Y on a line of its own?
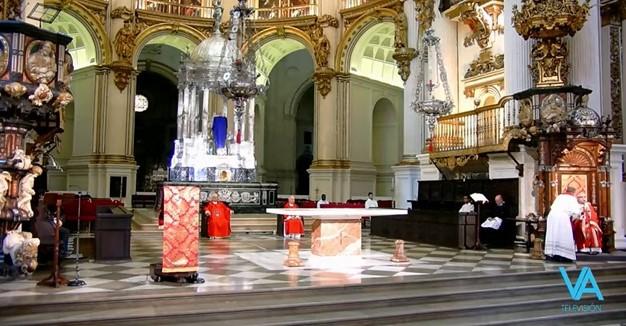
column 124, row 118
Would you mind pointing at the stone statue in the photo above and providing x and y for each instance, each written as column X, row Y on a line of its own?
column 20, row 160
column 41, row 65
column 68, row 69
column 400, row 36
column 5, row 183
column 26, row 191
column 322, row 45
column 23, row 251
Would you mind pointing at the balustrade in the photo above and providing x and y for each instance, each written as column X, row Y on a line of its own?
column 189, row 8
column 265, row 10
column 355, row 3
column 474, row 129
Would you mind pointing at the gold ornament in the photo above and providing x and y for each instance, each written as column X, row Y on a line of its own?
column 425, row 13
column 403, row 57
column 42, row 95
column 548, row 21
column 322, row 77
column 15, row 89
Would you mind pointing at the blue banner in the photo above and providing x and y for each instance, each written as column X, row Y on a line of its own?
column 220, row 131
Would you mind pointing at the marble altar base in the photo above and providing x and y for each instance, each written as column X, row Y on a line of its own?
column 332, row 237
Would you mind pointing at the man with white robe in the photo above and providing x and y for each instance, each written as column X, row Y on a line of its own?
column 560, row 244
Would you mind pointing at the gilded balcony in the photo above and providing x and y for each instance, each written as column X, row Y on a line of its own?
column 188, row 8
column 474, row 132
column 347, row 4
column 265, row 9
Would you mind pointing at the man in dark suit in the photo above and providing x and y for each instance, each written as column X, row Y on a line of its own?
column 499, row 229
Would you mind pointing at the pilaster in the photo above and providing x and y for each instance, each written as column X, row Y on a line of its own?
column 517, row 51
column 585, row 54
column 618, row 193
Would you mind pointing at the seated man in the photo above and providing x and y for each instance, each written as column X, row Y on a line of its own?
column 45, row 228
column 322, row 201
column 293, row 225
column 587, row 231
column 218, row 215
column 497, row 230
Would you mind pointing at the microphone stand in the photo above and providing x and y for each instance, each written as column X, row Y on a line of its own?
column 55, row 279
column 77, row 281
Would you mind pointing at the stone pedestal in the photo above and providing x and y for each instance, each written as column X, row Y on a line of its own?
column 336, row 237
column 405, row 184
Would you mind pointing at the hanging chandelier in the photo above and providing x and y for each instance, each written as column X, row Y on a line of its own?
column 428, row 82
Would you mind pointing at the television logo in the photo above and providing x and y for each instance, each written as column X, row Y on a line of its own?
column 585, row 277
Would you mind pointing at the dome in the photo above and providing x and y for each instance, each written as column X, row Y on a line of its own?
column 212, row 50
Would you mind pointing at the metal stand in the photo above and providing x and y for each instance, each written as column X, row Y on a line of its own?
column 55, row 279
column 477, row 244
column 77, row 281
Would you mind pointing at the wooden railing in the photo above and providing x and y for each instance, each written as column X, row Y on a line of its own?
column 285, row 12
column 483, row 127
column 189, row 8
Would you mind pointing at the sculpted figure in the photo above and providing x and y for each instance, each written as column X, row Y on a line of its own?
column 20, row 160
column 26, row 191
column 5, row 182
column 41, row 64
column 23, row 251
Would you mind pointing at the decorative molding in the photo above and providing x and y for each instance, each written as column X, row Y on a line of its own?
column 403, row 57
column 356, row 20
column 402, row 54
column 330, row 164
column 93, row 14
column 615, row 52
column 322, row 77
column 451, row 162
column 425, row 13
column 485, row 63
column 123, row 72
column 548, row 21
column 11, row 9
column 481, row 23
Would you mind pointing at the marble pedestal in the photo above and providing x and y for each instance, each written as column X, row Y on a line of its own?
column 336, row 231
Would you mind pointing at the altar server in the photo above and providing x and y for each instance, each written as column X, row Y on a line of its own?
column 559, row 236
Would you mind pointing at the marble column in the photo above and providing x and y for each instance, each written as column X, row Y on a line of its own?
column 584, row 56
column 618, row 193
column 406, row 174
column 517, row 51
column 329, row 172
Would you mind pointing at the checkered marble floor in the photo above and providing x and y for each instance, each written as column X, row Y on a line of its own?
column 246, row 262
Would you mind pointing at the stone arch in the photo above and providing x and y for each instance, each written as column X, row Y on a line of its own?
column 372, row 55
column 281, row 32
column 83, row 47
column 181, row 32
column 385, row 148
column 93, row 24
column 297, row 96
column 489, row 95
column 354, row 32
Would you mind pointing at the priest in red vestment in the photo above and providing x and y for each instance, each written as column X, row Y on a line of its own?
column 218, row 218
column 587, row 231
column 293, row 225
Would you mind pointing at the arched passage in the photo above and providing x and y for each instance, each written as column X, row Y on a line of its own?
column 288, row 115
column 385, row 145
column 155, row 128
column 372, row 56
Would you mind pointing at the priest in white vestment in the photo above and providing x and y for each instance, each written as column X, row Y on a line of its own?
column 560, row 244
